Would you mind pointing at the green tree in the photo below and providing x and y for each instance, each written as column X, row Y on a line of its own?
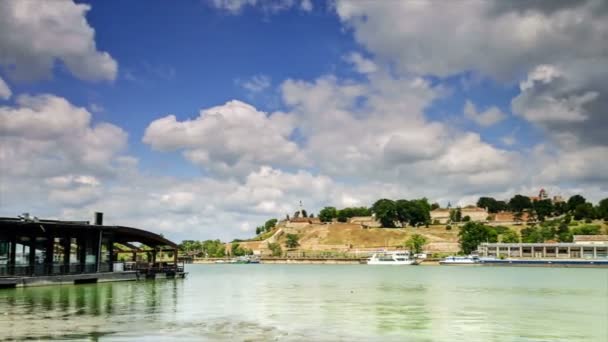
column 435, row 206
column 587, row 229
column 543, row 208
column 490, row 203
column 259, row 230
column 385, row 212
column 270, row 224
column 602, row 209
column 563, row 233
column 466, row 218
column 420, row 212
column 560, row 208
column 416, row 243
column 304, row 214
column 275, row 249
column 474, row 233
column 327, row 214
column 520, row 203
column 584, row 210
column 531, row 235
column 292, row 241
column 509, row 236
column 403, row 209
column 574, row 201
column 456, row 215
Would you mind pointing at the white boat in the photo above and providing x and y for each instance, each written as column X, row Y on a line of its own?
column 391, row 258
column 460, row 260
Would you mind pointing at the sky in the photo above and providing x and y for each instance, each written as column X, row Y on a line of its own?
column 203, row 119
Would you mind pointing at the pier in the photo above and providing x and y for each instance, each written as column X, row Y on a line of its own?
column 43, row 252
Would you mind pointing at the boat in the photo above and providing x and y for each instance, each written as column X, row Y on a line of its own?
column 460, row 260
column 246, row 259
column 545, row 262
column 391, row 258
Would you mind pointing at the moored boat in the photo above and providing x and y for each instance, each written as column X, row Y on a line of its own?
column 391, row 258
column 460, row 260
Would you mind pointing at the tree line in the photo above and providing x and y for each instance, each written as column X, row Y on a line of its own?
column 561, row 230
column 539, row 210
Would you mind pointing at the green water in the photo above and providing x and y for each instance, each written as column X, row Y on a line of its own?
column 321, row 303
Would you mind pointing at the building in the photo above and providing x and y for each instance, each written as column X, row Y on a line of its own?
column 571, row 250
column 475, row 213
column 34, row 252
column 591, row 239
column 440, row 215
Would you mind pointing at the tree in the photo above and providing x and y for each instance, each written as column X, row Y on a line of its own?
column 584, row 210
column 602, row 209
column 346, row 213
column 420, row 212
column 416, row 243
column 237, row 250
column 467, row 218
column 490, row 203
column 275, row 249
column 474, row 233
column 259, row 230
column 560, row 208
column 403, row 208
column 520, row 203
column 304, row 214
column 270, row 224
column 574, row 201
column 292, row 241
column 435, row 206
column 327, row 214
column 563, row 233
column 509, row 236
column 456, row 215
column 543, row 208
column 385, row 212
column 531, row 235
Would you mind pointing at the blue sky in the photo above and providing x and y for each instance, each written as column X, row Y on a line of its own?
column 280, row 101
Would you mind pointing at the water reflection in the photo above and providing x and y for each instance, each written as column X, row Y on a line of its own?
column 320, row 303
column 86, row 310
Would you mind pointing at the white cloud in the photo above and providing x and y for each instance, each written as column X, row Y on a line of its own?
column 269, row 6
column 361, row 64
column 36, row 34
column 496, row 38
column 255, row 84
column 488, row 117
column 230, row 139
column 45, row 135
column 5, row 91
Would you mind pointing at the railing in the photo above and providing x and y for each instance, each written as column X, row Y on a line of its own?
column 46, row 269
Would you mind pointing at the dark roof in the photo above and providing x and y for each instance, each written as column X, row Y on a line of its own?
column 122, row 234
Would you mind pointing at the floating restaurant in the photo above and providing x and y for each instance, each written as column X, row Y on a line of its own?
column 585, row 251
column 39, row 252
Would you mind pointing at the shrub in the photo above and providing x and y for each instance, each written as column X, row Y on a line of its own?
column 448, row 227
column 588, row 220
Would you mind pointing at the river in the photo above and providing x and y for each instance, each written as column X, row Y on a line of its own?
column 321, row 303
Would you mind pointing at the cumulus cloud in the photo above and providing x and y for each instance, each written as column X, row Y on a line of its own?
column 34, row 35
column 361, row 64
column 230, row 139
column 46, row 136
column 5, row 91
column 488, row 117
column 503, row 41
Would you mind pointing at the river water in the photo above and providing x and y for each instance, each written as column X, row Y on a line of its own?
column 321, row 303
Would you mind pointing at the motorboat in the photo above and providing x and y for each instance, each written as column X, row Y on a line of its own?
column 460, row 260
column 391, row 258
